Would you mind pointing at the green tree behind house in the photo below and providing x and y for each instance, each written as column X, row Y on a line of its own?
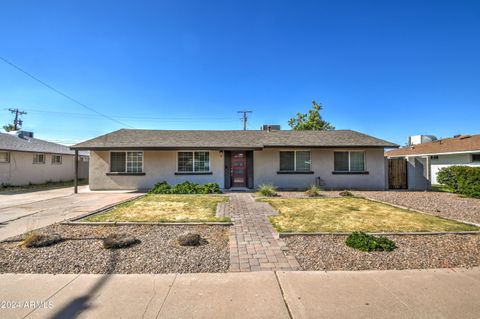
column 9, row 127
column 311, row 120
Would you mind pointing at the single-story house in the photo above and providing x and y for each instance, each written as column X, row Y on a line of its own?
column 428, row 158
column 25, row 159
column 137, row 159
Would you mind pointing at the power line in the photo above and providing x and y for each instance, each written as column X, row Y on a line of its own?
column 130, row 117
column 244, row 118
column 61, row 93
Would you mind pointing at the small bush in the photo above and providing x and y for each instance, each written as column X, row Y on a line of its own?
column 211, row 188
column 117, row 241
column 314, row 191
column 160, row 188
column 463, row 180
column 267, row 190
column 185, row 188
column 346, row 194
column 189, row 239
column 365, row 242
column 35, row 240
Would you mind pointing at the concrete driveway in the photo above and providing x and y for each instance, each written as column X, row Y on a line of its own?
column 22, row 212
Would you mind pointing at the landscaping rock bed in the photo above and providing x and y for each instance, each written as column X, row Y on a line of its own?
column 329, row 252
column 83, row 251
column 437, row 203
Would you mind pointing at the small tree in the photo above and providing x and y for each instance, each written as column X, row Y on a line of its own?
column 311, row 120
column 9, row 127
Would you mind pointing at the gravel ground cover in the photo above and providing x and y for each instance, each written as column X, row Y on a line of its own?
column 437, row 203
column 83, row 252
column 329, row 252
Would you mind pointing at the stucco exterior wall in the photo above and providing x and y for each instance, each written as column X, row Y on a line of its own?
column 21, row 170
column 267, row 164
column 161, row 166
column 158, row 166
column 417, row 173
column 449, row 160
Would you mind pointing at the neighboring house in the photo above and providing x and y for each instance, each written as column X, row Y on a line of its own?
column 137, row 159
column 25, row 159
column 430, row 157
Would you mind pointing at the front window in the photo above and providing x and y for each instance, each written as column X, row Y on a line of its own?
column 56, row 159
column 475, row 157
column 295, row 161
column 193, row 162
column 134, row 162
column 39, row 159
column 4, row 157
column 126, row 162
column 349, row 161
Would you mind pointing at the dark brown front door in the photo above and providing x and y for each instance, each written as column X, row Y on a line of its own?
column 238, row 172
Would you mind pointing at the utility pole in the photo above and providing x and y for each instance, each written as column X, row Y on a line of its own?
column 244, row 118
column 17, row 122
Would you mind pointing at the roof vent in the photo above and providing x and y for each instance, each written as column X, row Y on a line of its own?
column 270, row 127
column 22, row 134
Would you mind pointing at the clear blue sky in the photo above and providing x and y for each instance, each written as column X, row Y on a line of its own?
column 386, row 68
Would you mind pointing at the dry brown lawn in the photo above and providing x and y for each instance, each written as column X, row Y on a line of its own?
column 165, row 208
column 353, row 214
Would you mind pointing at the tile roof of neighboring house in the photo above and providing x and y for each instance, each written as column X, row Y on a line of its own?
column 463, row 143
column 11, row 142
column 162, row 139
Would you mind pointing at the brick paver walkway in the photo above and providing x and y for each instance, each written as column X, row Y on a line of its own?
column 253, row 244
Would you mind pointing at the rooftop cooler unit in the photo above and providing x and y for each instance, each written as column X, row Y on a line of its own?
column 419, row 139
column 270, row 127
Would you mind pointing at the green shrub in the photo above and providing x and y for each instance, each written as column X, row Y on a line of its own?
column 160, row 188
column 185, row 188
column 346, row 194
column 464, row 180
column 313, row 191
column 365, row 242
column 267, row 190
column 448, row 176
column 211, row 188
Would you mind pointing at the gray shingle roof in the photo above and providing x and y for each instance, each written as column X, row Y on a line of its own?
column 158, row 139
column 12, row 142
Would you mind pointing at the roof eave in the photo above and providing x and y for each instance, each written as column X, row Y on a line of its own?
column 157, row 148
column 166, row 148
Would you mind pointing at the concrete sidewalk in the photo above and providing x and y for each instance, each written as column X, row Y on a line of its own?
column 27, row 211
column 373, row 294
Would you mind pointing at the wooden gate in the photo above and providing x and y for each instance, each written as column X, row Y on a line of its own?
column 397, row 173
